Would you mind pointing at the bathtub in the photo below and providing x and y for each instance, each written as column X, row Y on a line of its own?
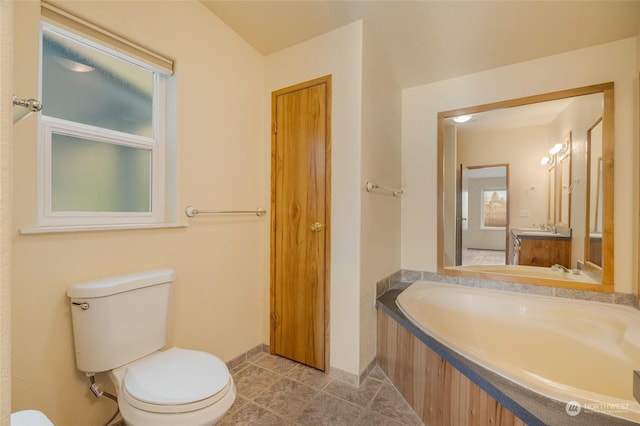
column 525, row 271
column 564, row 349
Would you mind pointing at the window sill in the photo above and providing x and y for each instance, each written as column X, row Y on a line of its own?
column 97, row 228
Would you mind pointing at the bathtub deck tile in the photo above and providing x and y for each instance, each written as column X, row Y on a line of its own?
column 528, row 289
column 593, row 296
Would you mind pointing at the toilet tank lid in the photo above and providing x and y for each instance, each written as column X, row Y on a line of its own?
column 120, row 284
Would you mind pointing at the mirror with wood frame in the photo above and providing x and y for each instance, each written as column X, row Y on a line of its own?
column 549, row 219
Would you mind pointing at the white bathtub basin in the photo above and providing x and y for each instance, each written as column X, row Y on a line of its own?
column 564, row 349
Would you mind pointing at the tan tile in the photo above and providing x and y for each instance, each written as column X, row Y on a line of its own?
column 309, row 376
column 275, row 363
column 390, row 402
column 359, row 395
column 377, row 373
column 286, row 397
column 252, row 380
column 256, row 356
column 327, row 410
column 239, row 402
column 233, row 370
column 376, row 419
column 251, row 414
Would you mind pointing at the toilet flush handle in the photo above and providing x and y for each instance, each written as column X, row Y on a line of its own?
column 83, row 305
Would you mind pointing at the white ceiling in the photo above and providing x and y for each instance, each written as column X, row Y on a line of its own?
column 427, row 41
column 531, row 115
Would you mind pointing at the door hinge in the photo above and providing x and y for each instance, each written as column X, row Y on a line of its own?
column 275, row 127
column 274, row 321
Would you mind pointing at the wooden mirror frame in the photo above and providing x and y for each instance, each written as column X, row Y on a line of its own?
column 593, row 201
column 564, row 186
column 607, row 283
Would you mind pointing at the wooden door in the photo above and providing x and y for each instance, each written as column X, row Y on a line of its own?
column 300, row 183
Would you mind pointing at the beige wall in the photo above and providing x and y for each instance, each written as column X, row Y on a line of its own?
column 221, row 263
column 380, row 214
column 576, row 120
column 338, row 53
column 486, row 147
column 365, row 228
column 6, row 134
column 608, row 62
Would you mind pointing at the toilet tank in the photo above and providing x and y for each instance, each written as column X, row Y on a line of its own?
column 120, row 319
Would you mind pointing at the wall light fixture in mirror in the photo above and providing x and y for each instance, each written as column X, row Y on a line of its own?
column 554, row 208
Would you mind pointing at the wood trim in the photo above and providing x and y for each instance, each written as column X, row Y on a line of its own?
column 608, row 152
column 527, row 100
column 437, row 391
column 588, row 265
column 327, row 273
column 567, row 156
column 607, row 89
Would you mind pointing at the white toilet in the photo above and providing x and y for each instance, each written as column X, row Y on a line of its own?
column 119, row 325
column 29, row 418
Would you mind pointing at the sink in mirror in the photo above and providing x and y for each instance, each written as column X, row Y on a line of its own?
column 541, row 166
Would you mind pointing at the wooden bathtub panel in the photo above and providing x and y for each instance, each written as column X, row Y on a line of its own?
column 438, row 393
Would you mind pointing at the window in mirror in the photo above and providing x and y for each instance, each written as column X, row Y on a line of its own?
column 494, row 208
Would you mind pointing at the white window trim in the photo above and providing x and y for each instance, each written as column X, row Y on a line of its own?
column 74, row 221
column 482, row 226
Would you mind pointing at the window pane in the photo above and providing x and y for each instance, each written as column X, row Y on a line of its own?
column 85, row 85
column 99, row 177
column 495, row 208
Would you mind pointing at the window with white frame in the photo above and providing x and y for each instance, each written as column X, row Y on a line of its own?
column 102, row 141
column 494, row 208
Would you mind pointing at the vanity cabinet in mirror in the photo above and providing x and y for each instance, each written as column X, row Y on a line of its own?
column 559, row 148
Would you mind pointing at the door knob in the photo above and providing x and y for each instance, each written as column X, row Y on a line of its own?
column 316, row 227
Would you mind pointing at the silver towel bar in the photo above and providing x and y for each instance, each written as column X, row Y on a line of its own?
column 396, row 192
column 192, row 211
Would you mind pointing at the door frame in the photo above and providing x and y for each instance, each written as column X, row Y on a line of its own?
column 327, row 254
column 460, row 171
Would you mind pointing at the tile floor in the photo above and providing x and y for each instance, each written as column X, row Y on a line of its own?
column 276, row 391
column 483, row 257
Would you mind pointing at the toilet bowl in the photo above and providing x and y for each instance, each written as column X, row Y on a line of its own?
column 174, row 387
column 119, row 327
column 29, row 418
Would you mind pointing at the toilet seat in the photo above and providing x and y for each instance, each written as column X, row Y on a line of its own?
column 176, row 381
